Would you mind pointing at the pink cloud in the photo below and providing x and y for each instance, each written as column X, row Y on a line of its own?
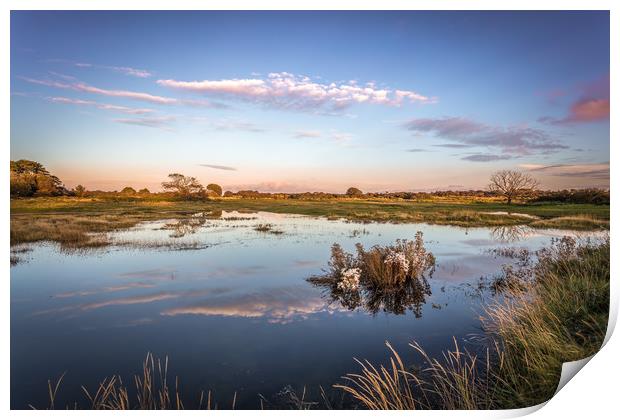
column 592, row 106
column 589, row 110
column 106, row 107
column 285, row 90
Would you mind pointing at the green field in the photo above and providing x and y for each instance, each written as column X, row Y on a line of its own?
column 70, row 220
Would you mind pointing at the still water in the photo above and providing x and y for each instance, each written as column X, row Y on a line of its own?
column 231, row 307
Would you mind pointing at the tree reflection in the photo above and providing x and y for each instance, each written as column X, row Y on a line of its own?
column 190, row 225
column 508, row 234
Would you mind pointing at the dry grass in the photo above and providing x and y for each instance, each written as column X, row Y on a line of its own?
column 578, row 222
column 267, row 228
column 562, row 316
column 151, row 391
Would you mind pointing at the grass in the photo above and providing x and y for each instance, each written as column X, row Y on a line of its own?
column 150, row 391
column 561, row 317
column 82, row 222
column 267, row 228
column 383, row 278
column 456, row 212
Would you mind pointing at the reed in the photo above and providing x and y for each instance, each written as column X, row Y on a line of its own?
column 560, row 316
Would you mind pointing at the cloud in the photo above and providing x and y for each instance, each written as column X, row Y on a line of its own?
column 583, row 111
column 107, row 107
column 593, row 105
column 288, row 91
column 83, row 87
column 129, row 71
column 153, row 122
column 513, row 140
column 416, row 150
column 482, row 157
column 340, row 136
column 454, row 145
column 582, row 170
column 306, row 134
column 220, row 167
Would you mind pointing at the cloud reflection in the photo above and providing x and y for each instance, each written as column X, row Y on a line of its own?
column 276, row 306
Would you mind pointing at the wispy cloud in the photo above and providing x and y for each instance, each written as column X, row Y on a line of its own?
column 307, row 134
column 340, row 136
column 484, row 157
column 153, row 122
column 220, row 167
column 416, row 150
column 289, row 91
column 106, row 107
column 127, row 94
column 513, row 140
column 454, row 145
column 583, row 170
column 83, row 87
column 129, row 71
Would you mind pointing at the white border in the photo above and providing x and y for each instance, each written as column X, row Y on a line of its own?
column 592, row 394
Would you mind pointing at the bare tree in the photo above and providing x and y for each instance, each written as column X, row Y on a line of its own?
column 184, row 186
column 511, row 184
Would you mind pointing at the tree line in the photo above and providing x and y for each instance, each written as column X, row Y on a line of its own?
column 32, row 179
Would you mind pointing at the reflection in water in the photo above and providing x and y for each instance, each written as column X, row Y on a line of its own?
column 276, row 306
column 397, row 300
column 508, row 234
column 192, row 224
column 384, row 278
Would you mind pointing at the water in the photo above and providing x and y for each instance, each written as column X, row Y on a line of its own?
column 231, row 307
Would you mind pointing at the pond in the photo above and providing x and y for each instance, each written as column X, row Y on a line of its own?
column 226, row 298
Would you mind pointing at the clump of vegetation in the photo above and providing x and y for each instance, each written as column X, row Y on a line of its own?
column 561, row 316
column 577, row 222
column 390, row 278
column 267, row 228
column 384, row 267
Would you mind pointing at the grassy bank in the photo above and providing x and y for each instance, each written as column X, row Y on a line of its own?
column 560, row 316
column 72, row 221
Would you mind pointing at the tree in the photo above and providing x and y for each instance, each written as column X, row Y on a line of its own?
column 215, row 188
column 79, row 190
column 30, row 178
column 354, row 192
column 144, row 191
column 128, row 191
column 511, row 184
column 181, row 185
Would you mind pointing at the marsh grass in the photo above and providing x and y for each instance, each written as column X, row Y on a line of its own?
column 561, row 316
column 150, row 390
column 577, row 222
column 456, row 212
column 267, row 228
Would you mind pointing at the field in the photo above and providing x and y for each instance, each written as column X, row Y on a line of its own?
column 41, row 218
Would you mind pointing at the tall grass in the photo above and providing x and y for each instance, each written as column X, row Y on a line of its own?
column 560, row 316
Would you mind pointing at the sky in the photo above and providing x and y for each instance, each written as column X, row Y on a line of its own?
column 312, row 101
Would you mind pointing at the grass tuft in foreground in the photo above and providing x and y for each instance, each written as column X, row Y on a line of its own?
column 560, row 315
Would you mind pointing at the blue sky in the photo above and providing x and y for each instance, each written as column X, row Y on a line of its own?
column 306, row 101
